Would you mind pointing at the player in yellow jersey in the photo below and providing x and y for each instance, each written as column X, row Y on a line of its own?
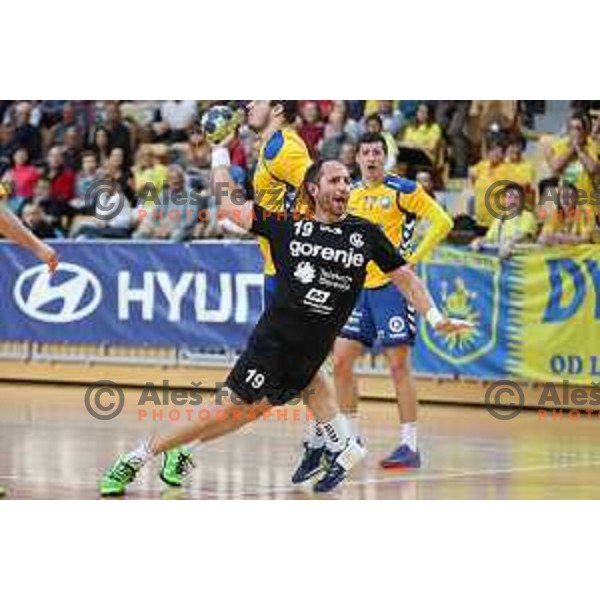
column 382, row 317
column 282, row 163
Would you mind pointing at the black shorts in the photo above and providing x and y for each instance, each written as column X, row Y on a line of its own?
column 281, row 359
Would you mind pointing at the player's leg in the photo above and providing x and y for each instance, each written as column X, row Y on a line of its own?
column 395, row 322
column 342, row 452
column 358, row 334
column 345, row 353
column 323, row 406
column 228, row 417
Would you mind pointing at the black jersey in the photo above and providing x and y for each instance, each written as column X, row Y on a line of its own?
column 321, row 267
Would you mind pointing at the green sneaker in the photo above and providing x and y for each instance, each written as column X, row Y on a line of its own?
column 2, row 492
column 121, row 474
column 176, row 465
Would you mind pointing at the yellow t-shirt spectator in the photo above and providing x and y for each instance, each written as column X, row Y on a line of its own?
column 519, row 228
column 156, row 176
column 424, row 136
column 579, row 220
column 575, row 173
column 486, row 175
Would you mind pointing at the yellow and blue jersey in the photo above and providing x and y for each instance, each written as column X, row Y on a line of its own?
column 394, row 205
column 282, row 163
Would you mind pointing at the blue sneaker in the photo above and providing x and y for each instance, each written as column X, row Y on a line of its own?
column 339, row 465
column 310, row 464
column 402, row 458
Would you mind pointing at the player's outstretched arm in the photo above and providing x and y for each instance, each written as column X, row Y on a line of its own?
column 13, row 229
column 231, row 202
column 416, row 293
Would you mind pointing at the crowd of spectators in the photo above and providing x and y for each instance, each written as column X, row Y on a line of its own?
column 61, row 158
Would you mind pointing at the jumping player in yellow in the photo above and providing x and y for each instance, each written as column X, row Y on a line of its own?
column 382, row 317
column 12, row 229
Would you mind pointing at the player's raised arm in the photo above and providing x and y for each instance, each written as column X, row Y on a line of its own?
column 231, row 203
column 13, row 229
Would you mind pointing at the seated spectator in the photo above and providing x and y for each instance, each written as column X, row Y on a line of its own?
column 62, row 179
column 565, row 220
column 374, row 124
column 83, row 202
column 101, row 146
column 425, row 133
column 177, row 118
column 105, row 224
column 347, row 156
column 8, row 146
column 491, row 122
column 148, row 171
column 72, row 149
column 175, row 219
column 484, row 175
column 425, row 178
column 391, row 116
column 520, row 170
column 54, row 209
column 506, row 233
column 312, row 128
column 38, row 221
column 453, row 118
column 339, row 130
column 22, row 176
column 69, row 121
column 26, row 135
column 116, row 170
column 574, row 158
column 118, row 132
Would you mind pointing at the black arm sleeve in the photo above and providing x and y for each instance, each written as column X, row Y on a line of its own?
column 266, row 223
column 385, row 256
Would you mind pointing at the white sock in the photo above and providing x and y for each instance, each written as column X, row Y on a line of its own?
column 141, row 454
column 337, row 432
column 313, row 434
column 354, row 423
column 192, row 445
column 408, row 434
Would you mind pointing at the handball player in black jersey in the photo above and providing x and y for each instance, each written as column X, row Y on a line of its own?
column 321, row 262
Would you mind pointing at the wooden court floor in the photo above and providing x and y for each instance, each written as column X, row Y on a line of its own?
column 50, row 447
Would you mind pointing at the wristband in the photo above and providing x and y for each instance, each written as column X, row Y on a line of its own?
column 434, row 317
column 220, row 158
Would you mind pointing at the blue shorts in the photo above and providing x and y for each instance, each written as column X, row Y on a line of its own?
column 269, row 288
column 381, row 317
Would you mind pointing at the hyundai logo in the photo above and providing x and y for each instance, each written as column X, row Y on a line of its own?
column 58, row 298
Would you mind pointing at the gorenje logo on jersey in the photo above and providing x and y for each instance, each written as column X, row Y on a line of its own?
column 346, row 257
column 70, row 299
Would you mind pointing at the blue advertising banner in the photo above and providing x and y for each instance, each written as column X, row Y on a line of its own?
column 129, row 293
column 535, row 316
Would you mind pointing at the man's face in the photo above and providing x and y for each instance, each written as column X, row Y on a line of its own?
column 347, row 155
column 495, row 155
column 371, row 161
column 68, row 114
column 55, row 158
column 333, row 190
column 426, row 180
column 112, row 113
column 32, row 215
column 385, row 107
column 175, row 180
column 22, row 114
column 42, row 189
column 20, row 156
column 116, row 158
column 259, row 114
column 311, row 112
column 373, row 126
column 576, row 131
column 89, row 164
